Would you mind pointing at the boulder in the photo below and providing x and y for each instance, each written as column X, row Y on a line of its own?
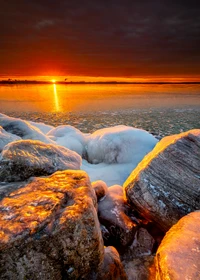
column 100, row 189
column 25, row 158
column 117, row 225
column 112, row 268
column 178, row 256
column 50, row 230
column 138, row 257
column 6, row 137
column 165, row 186
column 23, row 129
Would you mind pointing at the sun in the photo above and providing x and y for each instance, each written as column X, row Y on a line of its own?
column 53, row 81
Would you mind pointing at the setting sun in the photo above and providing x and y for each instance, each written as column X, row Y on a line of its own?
column 53, row 81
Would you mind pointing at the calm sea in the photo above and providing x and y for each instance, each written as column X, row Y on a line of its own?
column 161, row 108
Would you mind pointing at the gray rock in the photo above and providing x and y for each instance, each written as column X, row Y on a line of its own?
column 50, row 230
column 112, row 268
column 114, row 220
column 26, row 158
column 178, row 256
column 166, row 185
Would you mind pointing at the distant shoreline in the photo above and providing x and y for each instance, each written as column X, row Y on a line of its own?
column 29, row 82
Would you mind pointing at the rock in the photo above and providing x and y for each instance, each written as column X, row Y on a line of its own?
column 22, row 159
column 138, row 257
column 50, row 230
column 6, row 137
column 112, row 268
column 23, row 129
column 112, row 215
column 165, row 185
column 178, row 256
column 100, row 188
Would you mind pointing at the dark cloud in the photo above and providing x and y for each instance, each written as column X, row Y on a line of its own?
column 112, row 37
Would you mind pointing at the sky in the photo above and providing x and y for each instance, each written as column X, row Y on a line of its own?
column 105, row 38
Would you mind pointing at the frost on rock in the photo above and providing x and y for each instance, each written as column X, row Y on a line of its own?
column 26, row 158
column 69, row 137
column 22, row 129
column 6, row 137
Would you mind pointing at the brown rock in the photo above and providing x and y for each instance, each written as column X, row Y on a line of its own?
column 100, row 188
column 49, row 230
column 23, row 159
column 117, row 225
column 165, row 185
column 178, row 256
column 112, row 268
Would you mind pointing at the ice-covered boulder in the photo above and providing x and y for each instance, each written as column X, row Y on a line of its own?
column 69, row 137
column 6, row 137
column 26, row 158
column 100, row 188
column 22, row 129
column 45, row 128
column 178, row 256
column 119, row 144
column 112, row 268
column 50, row 230
column 119, row 228
column 166, row 185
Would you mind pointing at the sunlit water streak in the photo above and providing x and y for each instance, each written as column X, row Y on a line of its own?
column 57, row 104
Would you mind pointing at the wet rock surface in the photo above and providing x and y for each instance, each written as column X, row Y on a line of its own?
column 112, row 267
column 100, row 189
column 49, row 229
column 26, row 158
column 138, row 257
column 118, row 228
column 178, row 256
column 165, row 185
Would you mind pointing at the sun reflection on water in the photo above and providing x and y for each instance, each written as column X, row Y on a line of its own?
column 56, row 100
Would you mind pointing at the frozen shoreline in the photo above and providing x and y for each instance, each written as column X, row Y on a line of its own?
column 159, row 122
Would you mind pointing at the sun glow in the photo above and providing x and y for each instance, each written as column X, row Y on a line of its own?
column 56, row 100
column 53, row 81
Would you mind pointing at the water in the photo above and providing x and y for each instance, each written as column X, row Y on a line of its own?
column 162, row 109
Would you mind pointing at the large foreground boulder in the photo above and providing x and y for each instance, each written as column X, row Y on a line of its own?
column 26, row 158
column 166, row 185
column 49, row 230
column 178, row 256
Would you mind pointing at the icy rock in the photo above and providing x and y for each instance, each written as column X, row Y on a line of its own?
column 178, row 256
column 100, row 188
column 6, row 137
column 166, row 185
column 50, row 230
column 44, row 128
column 26, row 158
column 112, row 268
column 69, row 137
column 119, row 144
column 22, row 129
column 112, row 215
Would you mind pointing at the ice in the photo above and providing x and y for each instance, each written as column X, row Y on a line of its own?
column 22, row 129
column 44, row 128
column 119, row 144
column 6, row 137
column 69, row 137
